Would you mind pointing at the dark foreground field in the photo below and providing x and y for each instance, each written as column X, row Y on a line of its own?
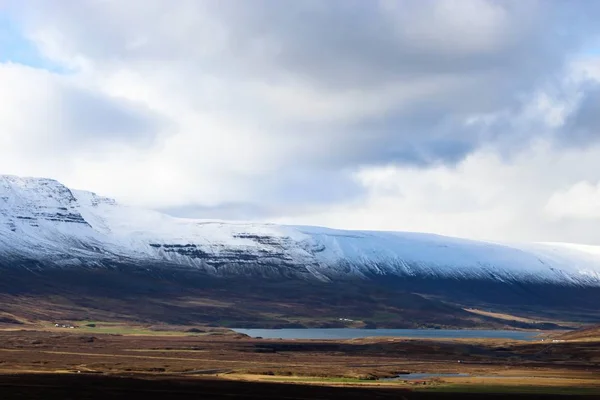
column 57, row 386
column 77, row 364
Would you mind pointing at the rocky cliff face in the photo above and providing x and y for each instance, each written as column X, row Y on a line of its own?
column 27, row 201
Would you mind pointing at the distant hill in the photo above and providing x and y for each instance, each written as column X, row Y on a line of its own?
column 592, row 332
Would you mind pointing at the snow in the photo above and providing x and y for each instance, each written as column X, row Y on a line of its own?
column 43, row 219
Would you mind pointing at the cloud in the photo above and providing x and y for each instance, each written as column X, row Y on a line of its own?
column 276, row 109
column 531, row 198
column 41, row 109
column 339, row 62
column 583, row 125
column 580, row 201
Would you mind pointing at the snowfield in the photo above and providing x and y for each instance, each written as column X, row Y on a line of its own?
column 42, row 220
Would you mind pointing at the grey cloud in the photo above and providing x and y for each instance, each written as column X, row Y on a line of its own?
column 349, row 45
column 290, row 192
column 336, row 49
column 44, row 111
column 583, row 125
column 353, row 46
column 230, row 211
column 89, row 117
column 422, row 136
column 310, row 186
column 335, row 45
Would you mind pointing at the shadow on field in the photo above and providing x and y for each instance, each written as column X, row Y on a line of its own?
column 84, row 387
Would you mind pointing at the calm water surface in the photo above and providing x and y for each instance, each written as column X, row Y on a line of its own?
column 351, row 333
column 424, row 375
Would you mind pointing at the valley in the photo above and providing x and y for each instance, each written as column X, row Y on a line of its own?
column 97, row 295
column 218, row 362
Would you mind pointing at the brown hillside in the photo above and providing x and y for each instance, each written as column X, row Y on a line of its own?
column 592, row 332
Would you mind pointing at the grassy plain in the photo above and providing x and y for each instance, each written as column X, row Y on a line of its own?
column 115, row 349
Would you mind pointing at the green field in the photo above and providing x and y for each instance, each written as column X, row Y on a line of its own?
column 315, row 379
column 117, row 328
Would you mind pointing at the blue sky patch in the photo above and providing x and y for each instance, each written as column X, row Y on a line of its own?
column 16, row 48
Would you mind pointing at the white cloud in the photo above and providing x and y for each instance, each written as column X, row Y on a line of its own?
column 421, row 115
column 582, row 201
column 484, row 196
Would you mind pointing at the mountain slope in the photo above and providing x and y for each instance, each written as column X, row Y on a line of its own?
column 43, row 220
column 95, row 257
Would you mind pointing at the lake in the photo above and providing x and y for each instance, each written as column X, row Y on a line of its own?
column 424, row 375
column 353, row 333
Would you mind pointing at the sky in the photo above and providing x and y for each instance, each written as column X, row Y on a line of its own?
column 470, row 118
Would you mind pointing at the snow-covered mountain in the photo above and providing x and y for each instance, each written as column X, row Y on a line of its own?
column 45, row 224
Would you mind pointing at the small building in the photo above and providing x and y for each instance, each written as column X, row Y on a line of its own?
column 66, row 326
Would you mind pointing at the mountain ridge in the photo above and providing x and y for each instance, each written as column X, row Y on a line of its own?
column 71, row 254
column 44, row 220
